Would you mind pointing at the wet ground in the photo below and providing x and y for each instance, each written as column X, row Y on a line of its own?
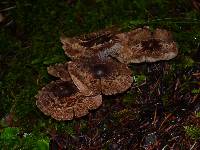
column 153, row 115
column 161, row 110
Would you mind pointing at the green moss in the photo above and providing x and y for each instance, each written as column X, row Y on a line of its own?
column 139, row 79
column 196, row 91
column 32, row 44
column 128, row 98
column 197, row 114
column 10, row 139
column 192, row 131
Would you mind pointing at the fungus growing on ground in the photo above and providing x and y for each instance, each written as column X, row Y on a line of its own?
column 101, row 76
column 87, row 45
column 63, row 101
column 93, row 70
column 142, row 45
column 60, row 71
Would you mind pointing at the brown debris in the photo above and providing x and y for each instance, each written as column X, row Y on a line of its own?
column 1, row 18
column 63, row 101
column 141, row 45
column 196, row 4
column 107, row 76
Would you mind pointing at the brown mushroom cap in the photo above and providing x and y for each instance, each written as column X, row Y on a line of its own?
column 141, row 45
column 88, row 45
column 163, row 35
column 72, row 47
column 60, row 71
column 63, row 101
column 106, row 76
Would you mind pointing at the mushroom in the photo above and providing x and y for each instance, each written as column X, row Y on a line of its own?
column 60, row 71
column 88, row 45
column 63, row 101
column 142, row 45
column 106, row 76
column 72, row 47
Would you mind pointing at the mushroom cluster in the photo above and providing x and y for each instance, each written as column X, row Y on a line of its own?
column 99, row 66
column 62, row 100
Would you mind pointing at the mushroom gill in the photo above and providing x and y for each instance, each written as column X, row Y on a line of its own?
column 142, row 45
column 63, row 101
column 106, row 76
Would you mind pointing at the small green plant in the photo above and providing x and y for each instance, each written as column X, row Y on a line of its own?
column 128, row 98
column 42, row 144
column 192, row 131
column 185, row 62
column 10, row 139
column 139, row 79
column 197, row 114
column 196, row 91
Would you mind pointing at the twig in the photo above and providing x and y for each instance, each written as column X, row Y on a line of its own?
column 169, row 115
column 7, row 9
column 9, row 23
column 193, row 145
column 154, row 118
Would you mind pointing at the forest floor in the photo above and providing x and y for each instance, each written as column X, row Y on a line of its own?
column 160, row 111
